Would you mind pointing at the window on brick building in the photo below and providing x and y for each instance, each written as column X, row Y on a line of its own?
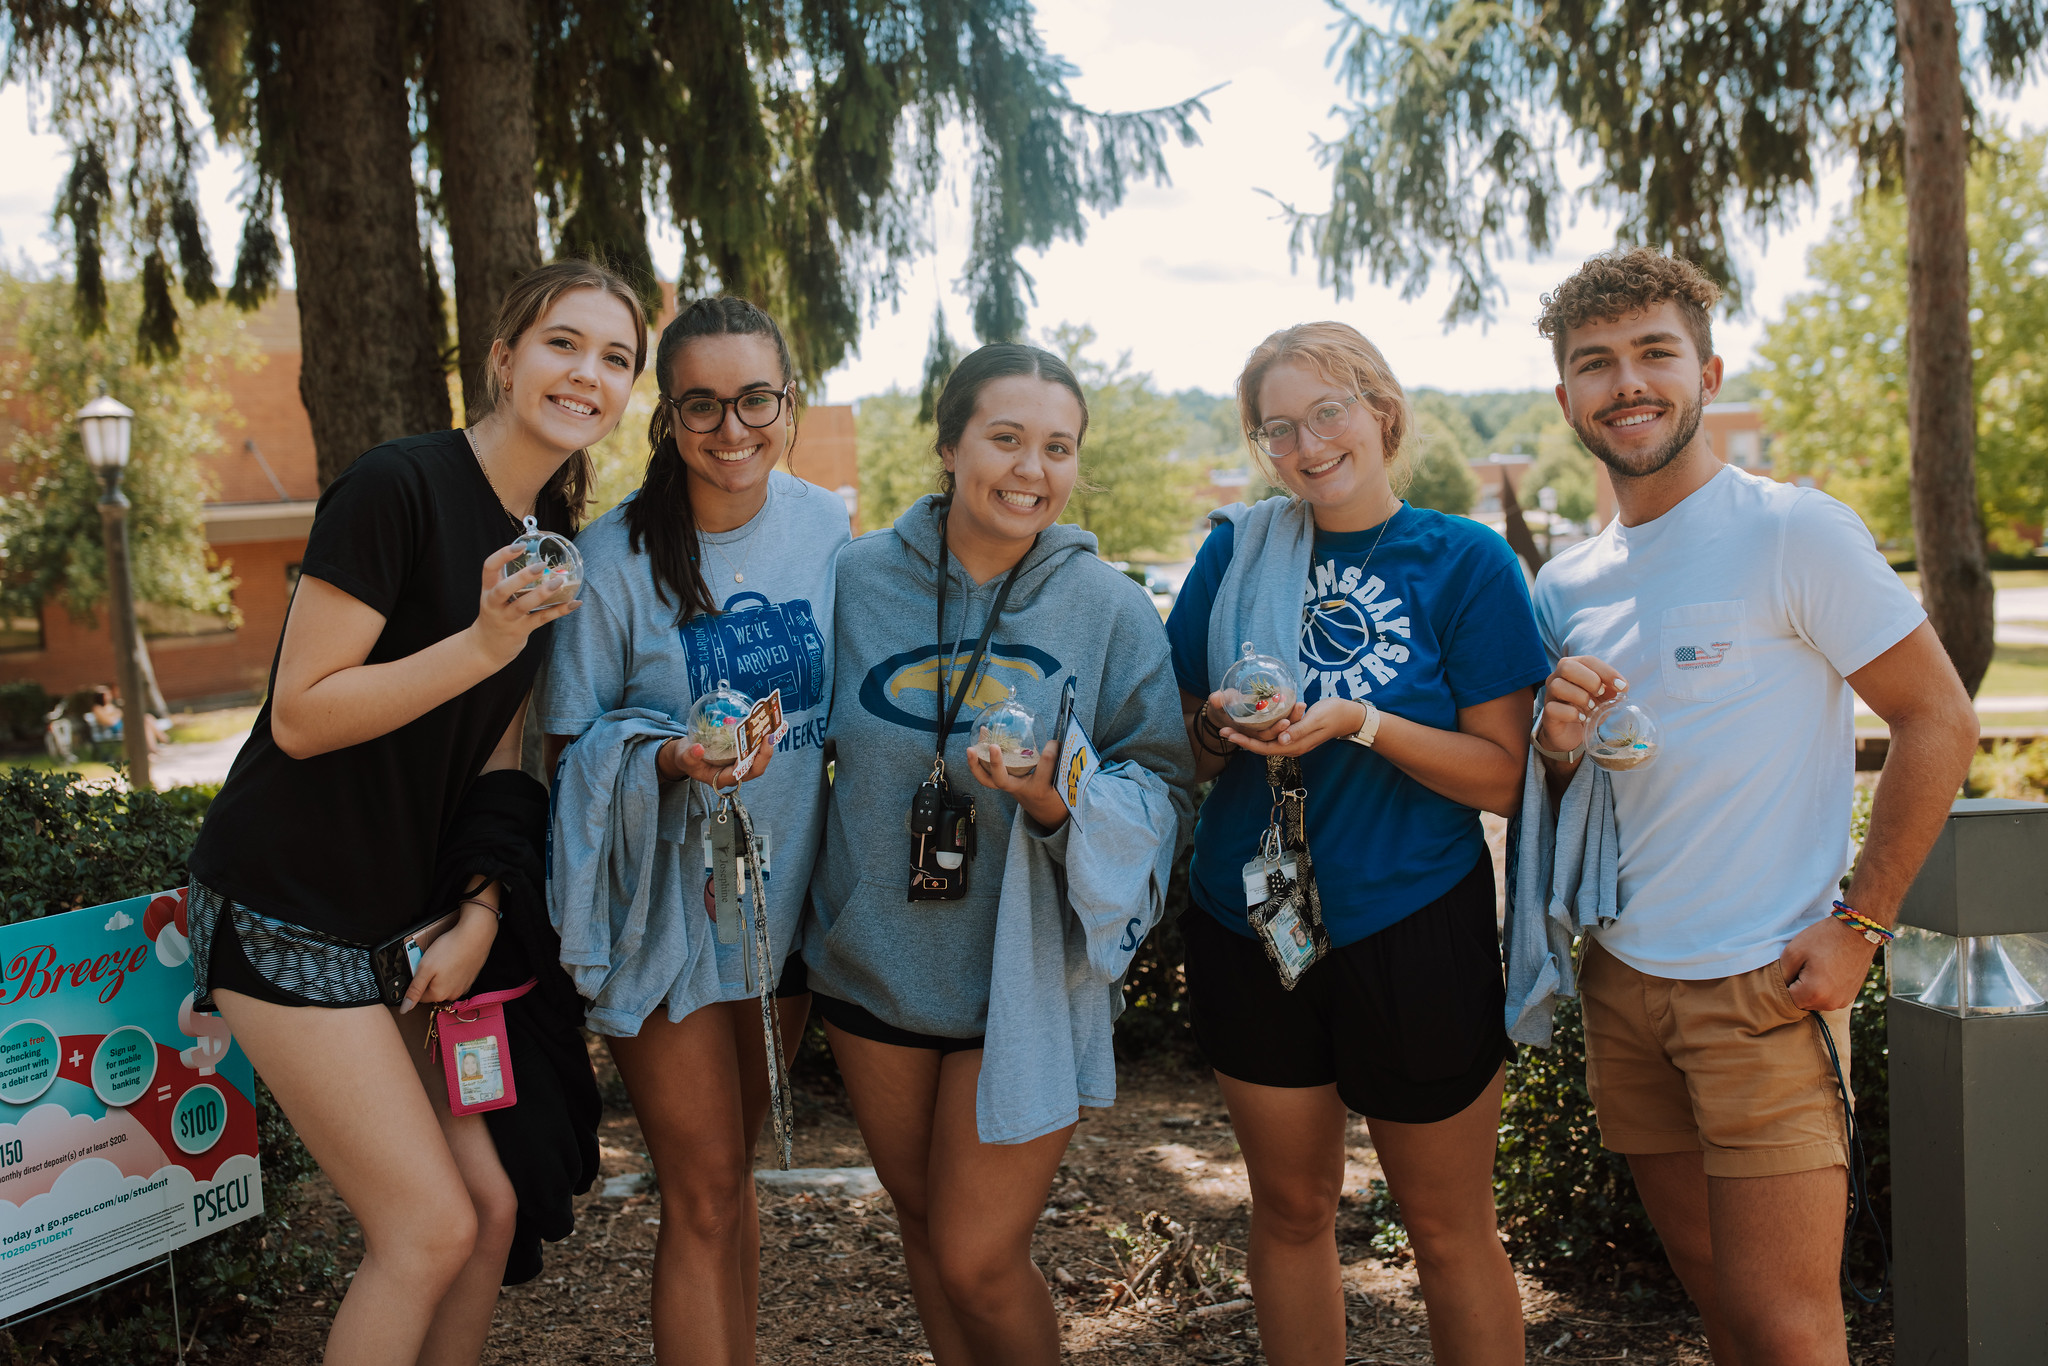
column 159, row 622
column 21, row 634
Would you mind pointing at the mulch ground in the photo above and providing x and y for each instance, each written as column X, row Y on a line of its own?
column 833, row 1287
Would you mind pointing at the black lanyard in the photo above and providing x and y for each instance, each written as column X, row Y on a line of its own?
column 949, row 712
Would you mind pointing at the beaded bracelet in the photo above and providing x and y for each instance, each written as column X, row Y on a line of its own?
column 1862, row 924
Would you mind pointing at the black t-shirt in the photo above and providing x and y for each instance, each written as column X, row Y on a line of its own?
column 345, row 841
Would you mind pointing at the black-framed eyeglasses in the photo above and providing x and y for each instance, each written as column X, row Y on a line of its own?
column 1326, row 420
column 703, row 414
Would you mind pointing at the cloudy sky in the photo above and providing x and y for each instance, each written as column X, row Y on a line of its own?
column 1186, row 277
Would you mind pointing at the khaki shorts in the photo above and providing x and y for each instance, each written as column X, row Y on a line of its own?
column 1727, row 1067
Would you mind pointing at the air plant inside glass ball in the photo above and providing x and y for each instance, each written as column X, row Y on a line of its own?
column 561, row 567
column 1620, row 734
column 715, row 721
column 1258, row 689
column 1010, row 727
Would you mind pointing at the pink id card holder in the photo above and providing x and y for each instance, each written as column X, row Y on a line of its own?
column 475, row 1054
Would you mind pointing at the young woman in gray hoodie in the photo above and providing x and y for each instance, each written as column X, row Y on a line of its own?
column 968, row 981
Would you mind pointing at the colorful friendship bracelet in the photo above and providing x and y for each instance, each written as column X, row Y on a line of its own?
column 1862, row 924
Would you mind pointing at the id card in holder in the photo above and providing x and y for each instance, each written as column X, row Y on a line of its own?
column 1281, row 905
column 725, row 874
column 475, row 1056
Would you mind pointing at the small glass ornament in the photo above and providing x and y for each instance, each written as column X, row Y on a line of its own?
column 1258, row 689
column 1008, row 725
column 715, row 722
column 561, row 566
column 1620, row 734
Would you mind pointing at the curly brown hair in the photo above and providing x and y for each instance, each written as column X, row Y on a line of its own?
column 1621, row 283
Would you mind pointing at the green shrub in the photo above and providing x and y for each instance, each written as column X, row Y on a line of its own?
column 23, row 705
column 63, row 845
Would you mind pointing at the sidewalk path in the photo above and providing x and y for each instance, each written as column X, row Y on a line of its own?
column 205, row 762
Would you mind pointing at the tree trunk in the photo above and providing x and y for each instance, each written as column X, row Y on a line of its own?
column 1948, row 530
column 370, row 333
column 484, row 81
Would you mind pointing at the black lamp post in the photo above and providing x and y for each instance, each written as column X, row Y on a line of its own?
column 104, row 425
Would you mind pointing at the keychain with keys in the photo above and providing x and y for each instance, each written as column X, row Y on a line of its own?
column 1281, row 900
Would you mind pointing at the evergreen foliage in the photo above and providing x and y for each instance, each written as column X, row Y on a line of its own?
column 794, row 148
column 50, row 538
column 1697, row 115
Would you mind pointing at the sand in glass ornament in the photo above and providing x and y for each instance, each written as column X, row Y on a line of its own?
column 1008, row 726
column 561, row 566
column 715, row 722
column 1620, row 734
column 1258, row 689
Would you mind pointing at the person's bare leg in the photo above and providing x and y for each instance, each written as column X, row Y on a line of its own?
column 894, row 1092
column 1293, row 1144
column 985, row 1201
column 1777, row 1269
column 463, row 1320
column 344, row 1080
column 792, row 1013
column 685, row 1084
column 1442, row 1176
column 1673, row 1187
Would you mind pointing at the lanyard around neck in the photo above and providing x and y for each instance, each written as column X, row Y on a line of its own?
column 950, row 711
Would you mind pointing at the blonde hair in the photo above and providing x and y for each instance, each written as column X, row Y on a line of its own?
column 1341, row 354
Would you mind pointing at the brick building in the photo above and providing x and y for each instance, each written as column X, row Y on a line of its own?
column 264, row 486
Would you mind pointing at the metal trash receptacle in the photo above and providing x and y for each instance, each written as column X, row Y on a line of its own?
column 1968, row 1031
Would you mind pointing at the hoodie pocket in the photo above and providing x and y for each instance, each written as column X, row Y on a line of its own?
column 1705, row 651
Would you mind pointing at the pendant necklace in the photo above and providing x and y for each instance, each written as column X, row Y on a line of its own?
column 477, row 451
column 739, row 571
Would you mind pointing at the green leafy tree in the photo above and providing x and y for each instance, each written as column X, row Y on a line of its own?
column 1439, row 477
column 1695, row 114
column 50, row 543
column 898, row 464
column 1835, row 384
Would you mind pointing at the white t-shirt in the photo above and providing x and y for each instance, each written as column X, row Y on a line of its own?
column 1734, row 617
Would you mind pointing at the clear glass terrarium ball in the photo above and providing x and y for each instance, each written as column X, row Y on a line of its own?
column 715, row 721
column 1258, row 688
column 1621, row 734
column 561, row 567
column 1011, row 727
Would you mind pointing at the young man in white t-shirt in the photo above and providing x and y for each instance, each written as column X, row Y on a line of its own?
column 1748, row 615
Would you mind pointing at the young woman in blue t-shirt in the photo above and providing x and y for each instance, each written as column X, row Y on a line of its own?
column 1415, row 651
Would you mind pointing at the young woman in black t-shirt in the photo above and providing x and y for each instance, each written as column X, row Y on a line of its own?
column 402, row 675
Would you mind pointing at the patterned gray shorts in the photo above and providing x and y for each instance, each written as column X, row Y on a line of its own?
column 307, row 963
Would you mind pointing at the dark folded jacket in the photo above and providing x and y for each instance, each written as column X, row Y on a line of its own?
column 548, row 1141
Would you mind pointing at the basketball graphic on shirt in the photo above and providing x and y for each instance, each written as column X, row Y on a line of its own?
column 1335, row 632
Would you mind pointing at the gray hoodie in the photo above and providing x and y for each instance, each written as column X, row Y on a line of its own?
column 928, row 966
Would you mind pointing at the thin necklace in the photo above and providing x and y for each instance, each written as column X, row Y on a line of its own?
column 739, row 574
column 478, row 453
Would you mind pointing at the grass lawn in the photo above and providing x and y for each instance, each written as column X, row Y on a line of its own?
column 2017, row 671
column 85, row 768
column 197, row 727
column 2000, row 578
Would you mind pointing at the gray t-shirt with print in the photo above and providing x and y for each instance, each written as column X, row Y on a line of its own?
column 623, row 648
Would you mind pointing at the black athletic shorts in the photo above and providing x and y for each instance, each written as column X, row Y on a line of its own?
column 1409, row 1023
column 863, row 1023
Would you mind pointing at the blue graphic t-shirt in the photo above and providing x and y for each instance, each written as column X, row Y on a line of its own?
column 1438, row 619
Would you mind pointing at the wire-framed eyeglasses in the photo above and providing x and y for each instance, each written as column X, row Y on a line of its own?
column 1281, row 436
column 703, row 414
